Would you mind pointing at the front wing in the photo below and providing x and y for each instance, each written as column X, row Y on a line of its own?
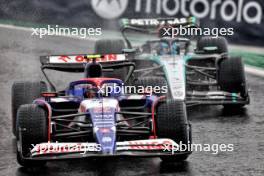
column 136, row 148
column 215, row 98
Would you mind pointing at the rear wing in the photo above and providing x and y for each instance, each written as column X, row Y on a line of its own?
column 76, row 63
column 154, row 23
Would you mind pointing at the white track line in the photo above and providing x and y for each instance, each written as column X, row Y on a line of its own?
column 254, row 70
column 249, row 69
column 8, row 26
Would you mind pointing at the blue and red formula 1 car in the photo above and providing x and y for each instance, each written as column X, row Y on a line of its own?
column 91, row 119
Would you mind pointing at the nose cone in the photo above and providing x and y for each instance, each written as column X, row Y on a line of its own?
column 106, row 137
column 103, row 116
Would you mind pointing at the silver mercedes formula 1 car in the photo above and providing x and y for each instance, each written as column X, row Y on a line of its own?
column 197, row 72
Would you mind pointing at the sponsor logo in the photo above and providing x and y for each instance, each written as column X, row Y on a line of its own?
column 87, row 58
column 102, row 109
column 109, row 9
column 156, row 22
column 106, row 139
column 228, row 10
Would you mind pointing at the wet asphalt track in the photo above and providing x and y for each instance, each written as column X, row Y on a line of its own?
column 19, row 61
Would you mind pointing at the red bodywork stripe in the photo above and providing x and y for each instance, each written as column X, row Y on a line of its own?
column 153, row 115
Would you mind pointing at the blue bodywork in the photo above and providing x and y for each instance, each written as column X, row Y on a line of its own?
column 102, row 110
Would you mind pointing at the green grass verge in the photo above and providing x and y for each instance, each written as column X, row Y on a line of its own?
column 250, row 58
column 22, row 23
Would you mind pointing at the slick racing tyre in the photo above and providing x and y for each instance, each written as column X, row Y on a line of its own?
column 110, row 46
column 231, row 77
column 172, row 123
column 153, row 82
column 32, row 128
column 219, row 42
column 24, row 93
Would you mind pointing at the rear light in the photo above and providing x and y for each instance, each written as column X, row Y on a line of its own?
column 49, row 94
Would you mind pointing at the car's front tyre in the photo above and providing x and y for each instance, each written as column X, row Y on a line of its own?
column 172, row 123
column 31, row 130
column 232, row 78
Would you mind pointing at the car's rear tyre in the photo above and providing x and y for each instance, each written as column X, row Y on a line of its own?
column 219, row 42
column 153, row 82
column 25, row 93
column 112, row 46
column 232, row 78
column 172, row 123
column 32, row 128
